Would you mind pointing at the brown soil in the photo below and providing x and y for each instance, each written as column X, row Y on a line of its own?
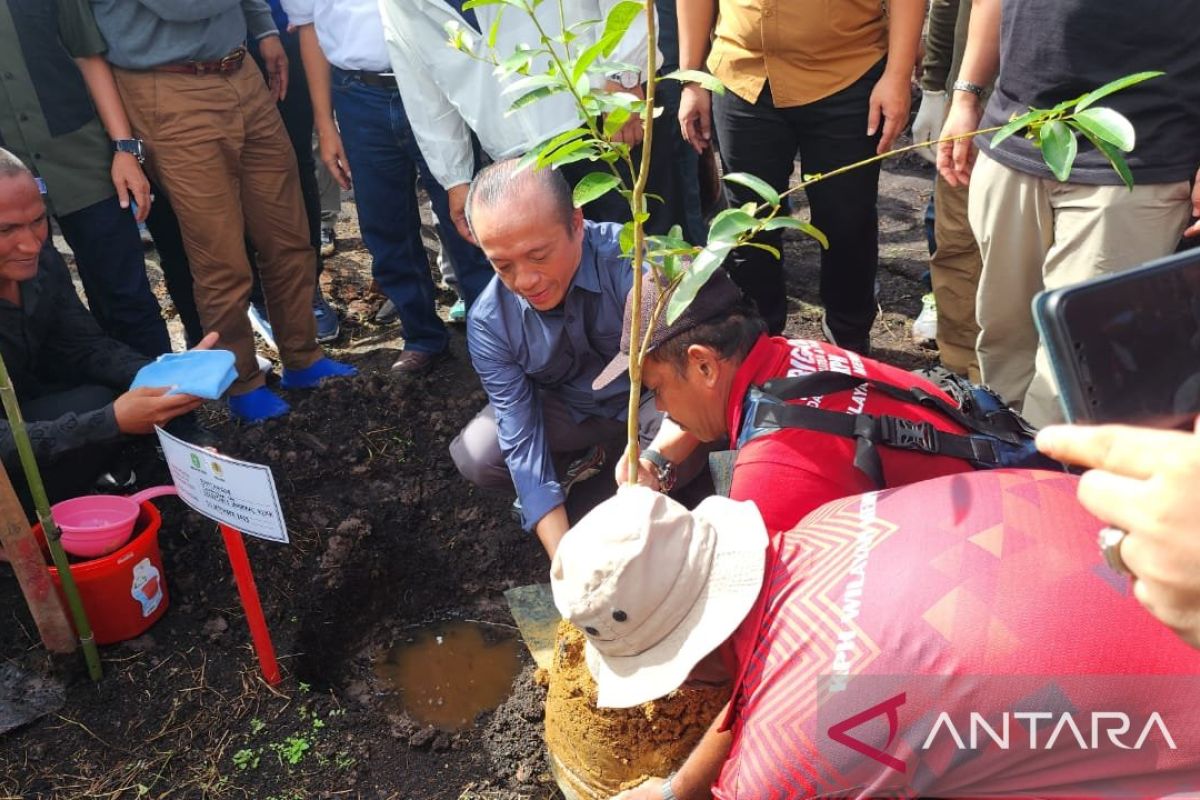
column 598, row 752
column 385, row 537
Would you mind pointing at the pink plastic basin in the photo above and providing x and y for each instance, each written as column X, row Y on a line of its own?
column 97, row 524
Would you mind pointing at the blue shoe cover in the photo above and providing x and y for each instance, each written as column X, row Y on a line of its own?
column 309, row 377
column 257, row 406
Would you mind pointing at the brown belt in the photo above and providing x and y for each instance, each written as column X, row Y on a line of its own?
column 223, row 66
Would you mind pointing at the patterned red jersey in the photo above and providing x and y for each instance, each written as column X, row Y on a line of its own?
column 959, row 637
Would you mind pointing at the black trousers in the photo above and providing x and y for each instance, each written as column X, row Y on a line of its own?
column 763, row 140
column 75, row 472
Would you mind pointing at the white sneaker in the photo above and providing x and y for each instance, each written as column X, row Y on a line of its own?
column 265, row 365
column 924, row 329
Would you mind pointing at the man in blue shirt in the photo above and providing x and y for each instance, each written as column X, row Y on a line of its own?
column 539, row 334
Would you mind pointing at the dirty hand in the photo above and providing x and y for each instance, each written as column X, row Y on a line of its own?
column 631, row 133
column 695, row 116
column 650, row 790
column 131, row 184
column 888, row 106
column 276, row 62
column 139, row 410
column 647, row 475
column 456, row 196
column 1144, row 481
column 931, row 113
column 1194, row 230
column 333, row 154
column 955, row 159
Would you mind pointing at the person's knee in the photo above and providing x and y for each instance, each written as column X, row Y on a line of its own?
column 475, row 465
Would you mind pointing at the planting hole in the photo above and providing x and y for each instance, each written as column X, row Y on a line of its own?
column 446, row 674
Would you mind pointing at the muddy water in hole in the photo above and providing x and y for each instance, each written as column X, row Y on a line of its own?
column 446, row 674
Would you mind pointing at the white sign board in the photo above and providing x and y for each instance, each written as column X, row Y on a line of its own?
column 237, row 493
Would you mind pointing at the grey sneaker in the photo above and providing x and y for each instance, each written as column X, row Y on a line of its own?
column 328, row 241
column 328, row 325
column 586, row 467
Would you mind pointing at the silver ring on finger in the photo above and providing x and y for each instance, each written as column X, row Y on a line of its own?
column 1110, row 540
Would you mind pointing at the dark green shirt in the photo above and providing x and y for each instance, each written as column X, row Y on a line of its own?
column 46, row 114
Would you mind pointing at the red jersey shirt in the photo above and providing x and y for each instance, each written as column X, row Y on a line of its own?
column 892, row 627
column 790, row 472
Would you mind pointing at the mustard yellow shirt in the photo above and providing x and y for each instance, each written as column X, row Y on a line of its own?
column 808, row 49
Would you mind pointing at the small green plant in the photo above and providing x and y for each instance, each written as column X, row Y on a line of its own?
column 256, row 726
column 291, row 749
column 247, row 758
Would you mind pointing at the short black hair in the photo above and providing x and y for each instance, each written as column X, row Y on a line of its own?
column 731, row 336
column 498, row 182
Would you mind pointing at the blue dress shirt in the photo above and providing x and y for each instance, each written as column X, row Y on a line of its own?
column 520, row 352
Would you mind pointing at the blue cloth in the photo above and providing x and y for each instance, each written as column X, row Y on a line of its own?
column 203, row 373
column 520, row 352
column 386, row 162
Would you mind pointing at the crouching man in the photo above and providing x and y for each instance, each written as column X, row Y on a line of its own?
column 704, row 370
column 72, row 380
column 960, row 637
column 539, row 334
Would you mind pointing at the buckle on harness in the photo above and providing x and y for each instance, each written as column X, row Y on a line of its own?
column 909, row 434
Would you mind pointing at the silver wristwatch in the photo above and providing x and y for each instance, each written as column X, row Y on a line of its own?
column 133, row 147
column 966, row 86
column 628, row 78
column 664, row 470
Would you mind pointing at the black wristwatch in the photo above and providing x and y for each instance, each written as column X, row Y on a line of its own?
column 134, row 147
column 665, row 470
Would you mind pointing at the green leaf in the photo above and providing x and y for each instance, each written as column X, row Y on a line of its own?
column 530, row 82
column 619, row 18
column 561, row 139
column 589, row 55
column 1115, row 86
column 756, row 185
column 710, row 82
column 762, row 246
column 730, row 224
column 593, row 185
column 1059, row 148
column 1109, row 125
column 494, row 30
column 775, row 223
column 626, row 238
column 518, row 62
column 1014, row 125
column 563, row 155
column 702, row 268
column 671, row 267
column 1115, row 157
column 536, row 94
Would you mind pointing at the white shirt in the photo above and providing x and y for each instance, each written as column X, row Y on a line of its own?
column 448, row 94
column 350, row 31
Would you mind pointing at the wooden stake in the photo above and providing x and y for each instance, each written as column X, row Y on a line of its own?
column 25, row 554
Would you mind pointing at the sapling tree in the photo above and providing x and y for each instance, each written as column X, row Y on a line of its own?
column 574, row 58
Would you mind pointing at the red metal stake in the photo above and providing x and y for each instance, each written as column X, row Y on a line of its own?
column 251, row 604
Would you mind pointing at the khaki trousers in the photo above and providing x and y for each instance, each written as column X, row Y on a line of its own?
column 1036, row 234
column 954, row 270
column 217, row 147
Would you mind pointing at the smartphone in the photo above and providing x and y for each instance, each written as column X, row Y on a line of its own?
column 1126, row 347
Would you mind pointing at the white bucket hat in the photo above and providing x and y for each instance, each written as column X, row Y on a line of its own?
column 656, row 588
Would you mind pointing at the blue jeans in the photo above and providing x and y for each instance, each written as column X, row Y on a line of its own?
column 112, row 266
column 386, row 163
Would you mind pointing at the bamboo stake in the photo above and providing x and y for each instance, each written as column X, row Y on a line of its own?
column 32, row 576
column 37, row 489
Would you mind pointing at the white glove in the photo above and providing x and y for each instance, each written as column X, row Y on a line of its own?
column 928, row 124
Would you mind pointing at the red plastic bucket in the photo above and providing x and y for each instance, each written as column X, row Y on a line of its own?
column 124, row 592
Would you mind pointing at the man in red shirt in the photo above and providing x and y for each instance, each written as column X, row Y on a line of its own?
column 700, row 369
column 960, row 637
